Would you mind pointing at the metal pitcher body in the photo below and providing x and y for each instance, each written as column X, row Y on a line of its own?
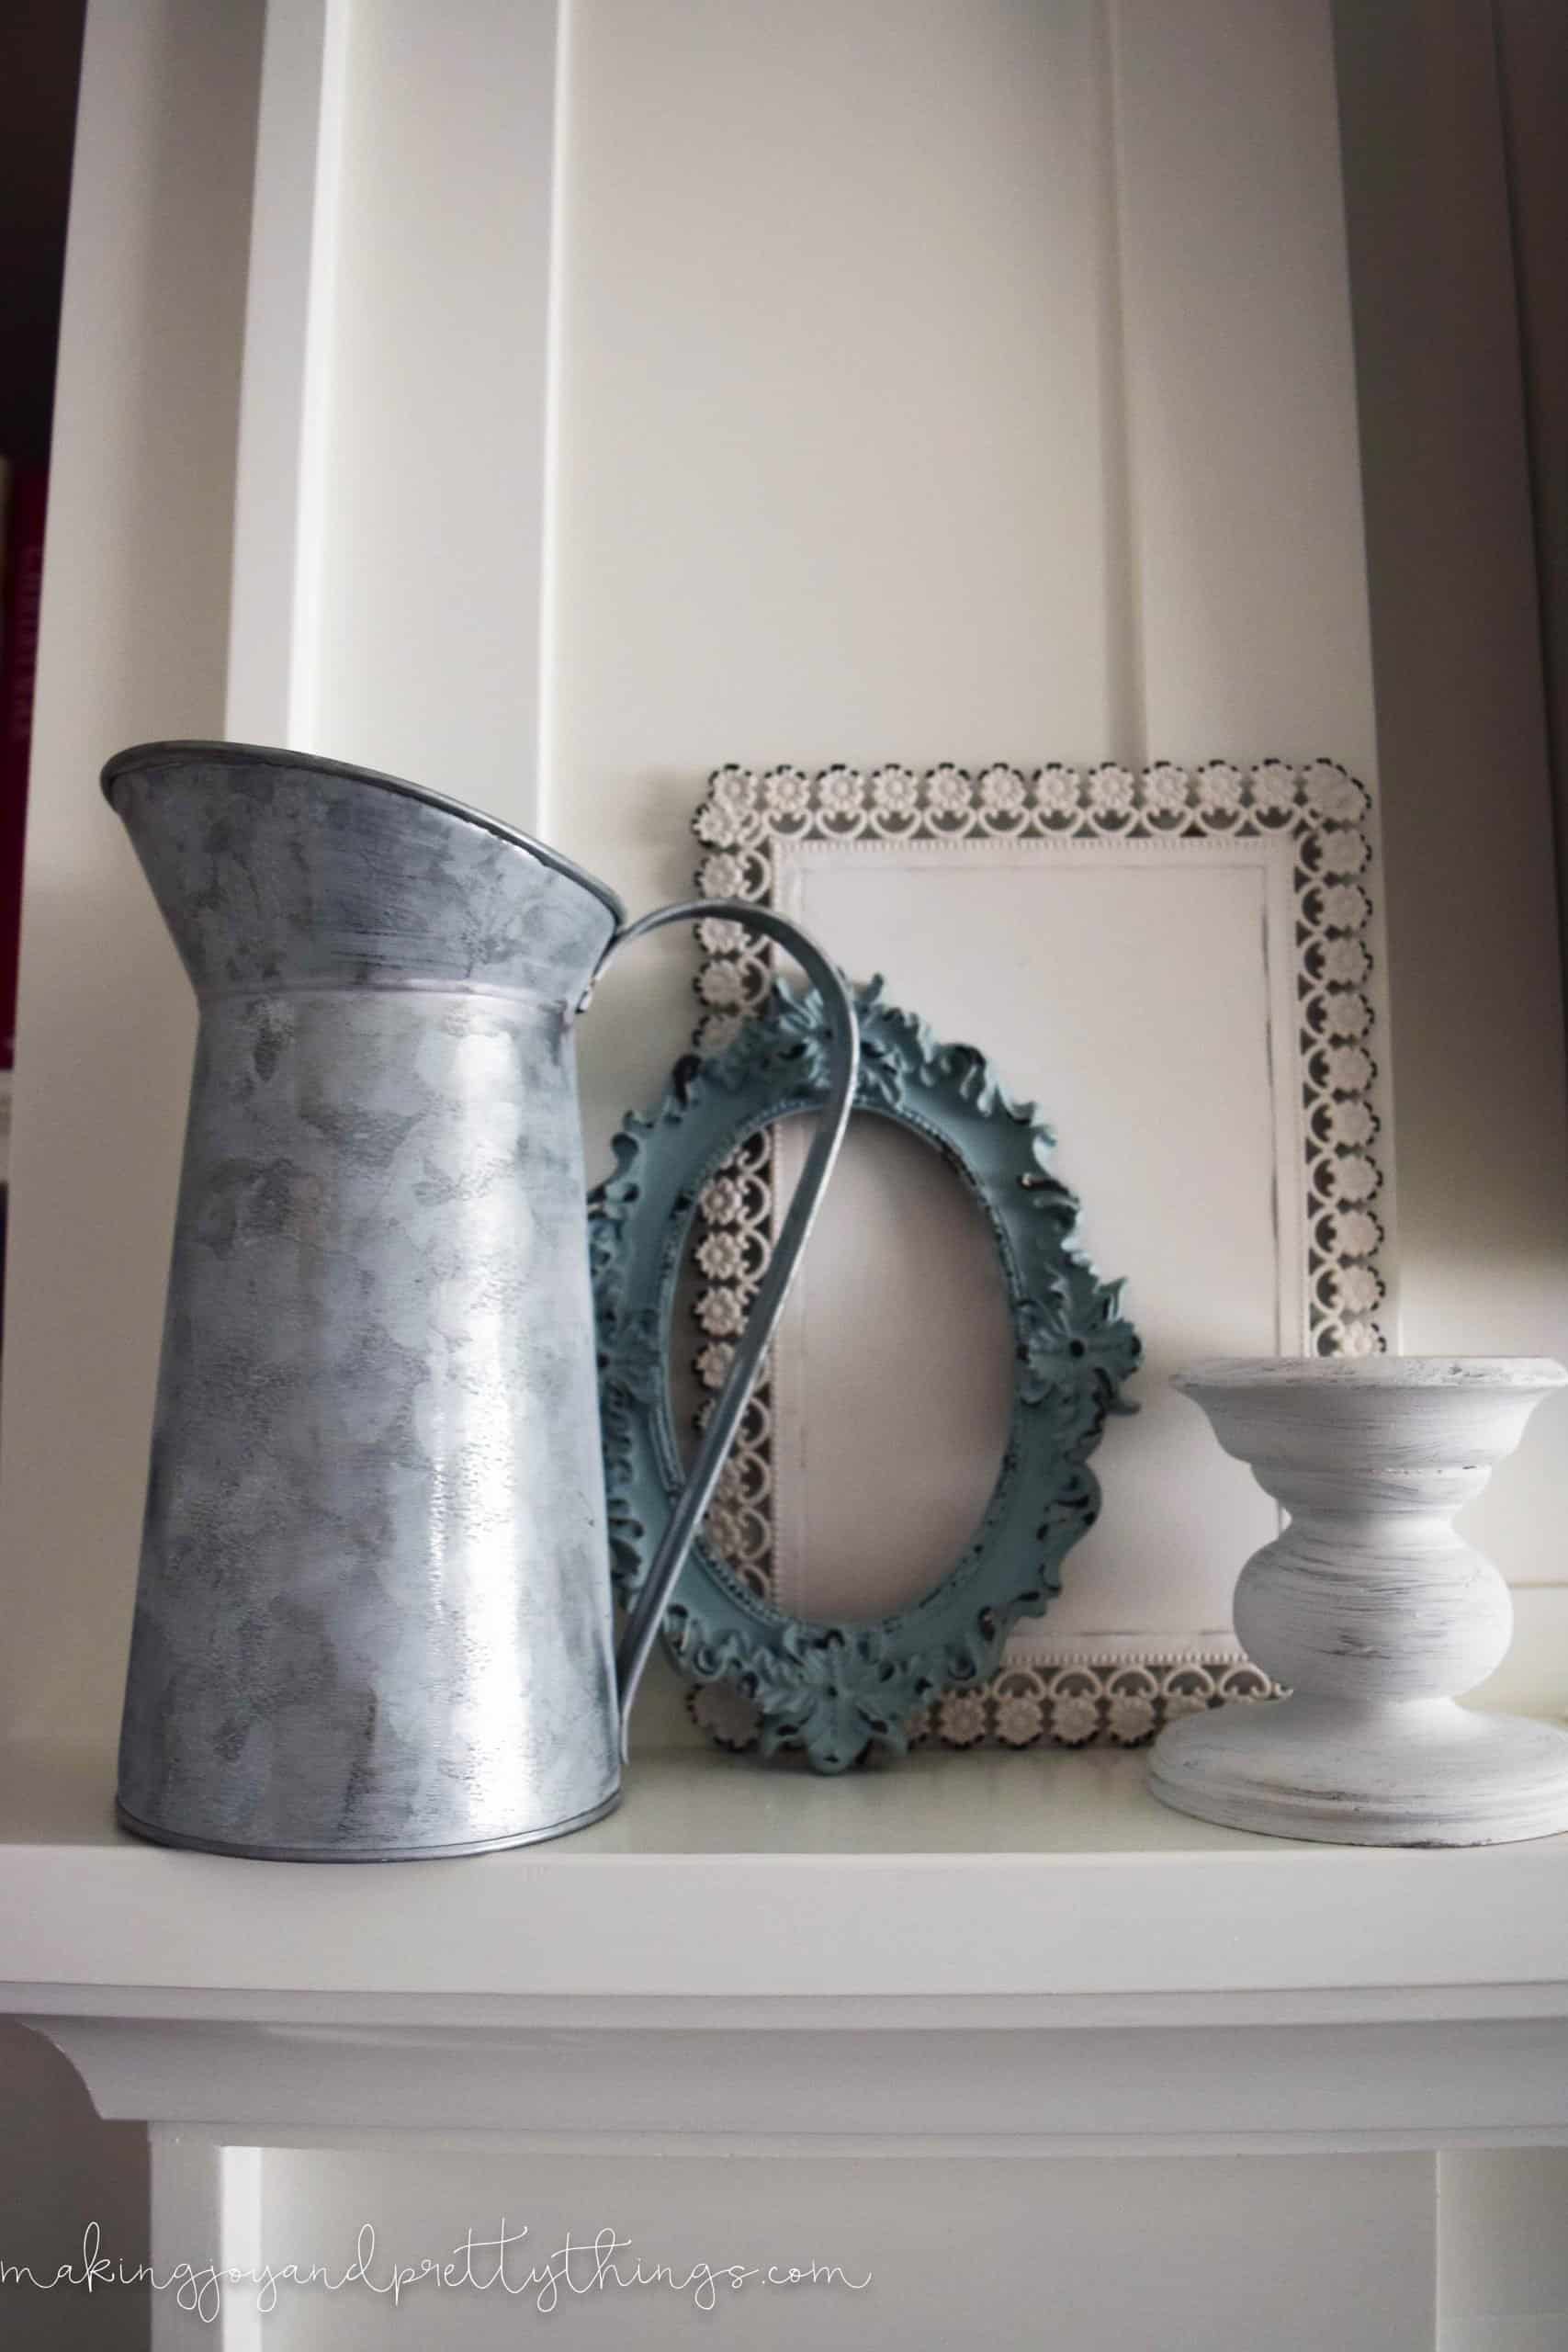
column 373, row 1617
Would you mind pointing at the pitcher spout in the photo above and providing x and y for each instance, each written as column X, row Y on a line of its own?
column 273, row 869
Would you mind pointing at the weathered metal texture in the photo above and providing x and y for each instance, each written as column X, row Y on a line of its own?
column 372, row 1615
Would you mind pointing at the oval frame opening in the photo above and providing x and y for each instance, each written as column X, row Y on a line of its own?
column 888, row 1395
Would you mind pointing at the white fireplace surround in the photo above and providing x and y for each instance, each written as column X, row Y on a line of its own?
column 1008, row 1958
column 985, row 1961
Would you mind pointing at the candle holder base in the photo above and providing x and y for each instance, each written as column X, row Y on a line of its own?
column 1431, row 1773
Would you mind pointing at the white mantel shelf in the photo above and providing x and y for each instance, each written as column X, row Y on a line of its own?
column 1052, row 1881
column 990, row 1953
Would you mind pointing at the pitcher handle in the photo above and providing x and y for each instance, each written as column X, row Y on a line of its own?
column 646, row 1611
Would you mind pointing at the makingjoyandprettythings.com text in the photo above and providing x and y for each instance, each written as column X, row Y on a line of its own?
column 575, row 2269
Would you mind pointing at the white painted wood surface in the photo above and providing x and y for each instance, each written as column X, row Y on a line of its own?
column 280, row 487
column 1110, row 983
column 207, row 2212
column 1234, row 2255
column 1028, row 1879
column 1373, row 1610
column 1503, row 2255
column 1482, row 1140
column 133, row 644
column 976, row 1973
column 433, row 426
column 389, row 513
column 834, row 2087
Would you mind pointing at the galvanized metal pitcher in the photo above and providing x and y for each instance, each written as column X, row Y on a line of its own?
column 372, row 1618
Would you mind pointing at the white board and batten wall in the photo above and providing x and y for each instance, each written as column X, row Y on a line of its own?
column 675, row 381
column 999, row 366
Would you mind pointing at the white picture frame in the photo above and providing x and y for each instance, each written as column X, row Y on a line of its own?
column 1197, row 947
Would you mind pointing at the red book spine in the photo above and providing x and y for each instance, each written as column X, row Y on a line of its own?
column 19, row 669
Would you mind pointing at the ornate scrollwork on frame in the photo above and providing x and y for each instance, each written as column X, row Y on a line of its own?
column 750, row 819
column 838, row 1689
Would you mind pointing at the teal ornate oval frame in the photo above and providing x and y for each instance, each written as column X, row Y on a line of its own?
column 839, row 1690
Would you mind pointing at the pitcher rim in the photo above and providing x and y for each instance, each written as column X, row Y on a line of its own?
column 225, row 754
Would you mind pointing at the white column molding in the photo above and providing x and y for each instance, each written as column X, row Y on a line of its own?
column 427, row 624
column 834, row 2087
column 207, row 2209
column 389, row 545
column 274, row 622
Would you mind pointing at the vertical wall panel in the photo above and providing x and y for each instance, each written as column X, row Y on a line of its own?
column 833, row 464
column 1191, row 2255
column 1502, row 2256
column 273, row 617
column 943, row 381
column 1533, row 72
column 964, row 379
column 432, row 474
column 133, row 645
column 1479, row 1097
column 1246, row 544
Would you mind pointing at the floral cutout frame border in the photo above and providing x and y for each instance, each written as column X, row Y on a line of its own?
column 748, row 818
column 839, row 1690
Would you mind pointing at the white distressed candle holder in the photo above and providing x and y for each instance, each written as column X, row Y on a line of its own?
column 1373, row 1608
